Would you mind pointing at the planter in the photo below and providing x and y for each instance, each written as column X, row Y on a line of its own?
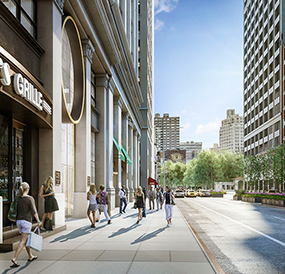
column 218, row 195
column 237, row 198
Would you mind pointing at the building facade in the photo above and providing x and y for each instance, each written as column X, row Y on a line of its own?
column 167, row 130
column 145, row 72
column 215, row 148
column 70, row 99
column 231, row 132
column 263, row 74
column 176, row 155
column 192, row 149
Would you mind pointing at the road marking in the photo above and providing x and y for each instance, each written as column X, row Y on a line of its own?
column 246, row 226
column 279, row 218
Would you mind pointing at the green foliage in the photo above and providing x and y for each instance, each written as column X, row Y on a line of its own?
column 265, row 196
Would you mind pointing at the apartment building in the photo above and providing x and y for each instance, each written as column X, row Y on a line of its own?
column 167, row 131
column 263, row 58
column 231, row 132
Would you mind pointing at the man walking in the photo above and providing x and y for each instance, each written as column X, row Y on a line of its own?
column 123, row 199
column 151, row 197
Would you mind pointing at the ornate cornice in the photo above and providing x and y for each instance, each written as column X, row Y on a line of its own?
column 118, row 100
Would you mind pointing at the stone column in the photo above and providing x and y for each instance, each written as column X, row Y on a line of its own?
column 49, row 36
column 82, row 140
column 116, row 155
column 104, row 139
column 131, row 168
column 125, row 166
column 138, row 160
column 135, row 160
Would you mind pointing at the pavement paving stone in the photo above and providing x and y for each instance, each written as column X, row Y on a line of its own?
column 121, row 247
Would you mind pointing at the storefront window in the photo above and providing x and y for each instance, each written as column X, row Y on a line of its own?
column 4, row 151
column 25, row 12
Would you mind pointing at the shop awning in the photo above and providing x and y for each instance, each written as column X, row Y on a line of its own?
column 129, row 161
column 152, row 181
column 120, row 151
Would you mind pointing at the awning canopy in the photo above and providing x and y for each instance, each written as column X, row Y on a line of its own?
column 120, row 151
column 152, row 181
column 129, row 161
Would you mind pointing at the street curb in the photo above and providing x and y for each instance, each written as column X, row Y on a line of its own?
column 211, row 259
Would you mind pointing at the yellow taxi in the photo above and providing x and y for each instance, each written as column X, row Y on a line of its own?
column 191, row 193
column 224, row 191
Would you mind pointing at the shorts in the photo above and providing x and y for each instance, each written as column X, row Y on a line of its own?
column 92, row 207
column 24, row 226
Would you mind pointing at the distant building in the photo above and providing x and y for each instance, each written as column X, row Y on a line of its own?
column 176, row 155
column 215, row 148
column 192, row 149
column 231, row 132
column 167, row 131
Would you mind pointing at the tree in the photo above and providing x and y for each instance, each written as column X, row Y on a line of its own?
column 189, row 174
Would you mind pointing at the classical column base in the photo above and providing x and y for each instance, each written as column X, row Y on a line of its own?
column 131, row 194
column 80, row 204
column 117, row 198
column 111, row 193
column 59, row 216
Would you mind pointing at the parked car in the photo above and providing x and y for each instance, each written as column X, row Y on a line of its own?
column 199, row 192
column 191, row 193
column 179, row 193
column 224, row 191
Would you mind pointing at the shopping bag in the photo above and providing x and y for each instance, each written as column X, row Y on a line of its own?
column 35, row 240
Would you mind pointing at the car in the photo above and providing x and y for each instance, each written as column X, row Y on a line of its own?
column 205, row 193
column 271, row 191
column 191, row 193
column 224, row 191
column 179, row 193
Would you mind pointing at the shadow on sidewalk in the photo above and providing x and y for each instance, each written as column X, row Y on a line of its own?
column 135, row 215
column 16, row 270
column 122, row 231
column 148, row 236
column 82, row 231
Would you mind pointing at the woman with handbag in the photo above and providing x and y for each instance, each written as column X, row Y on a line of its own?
column 26, row 209
column 140, row 202
column 50, row 202
column 103, row 202
column 168, row 201
column 91, row 197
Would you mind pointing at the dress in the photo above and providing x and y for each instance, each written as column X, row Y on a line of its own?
column 50, row 201
column 140, row 201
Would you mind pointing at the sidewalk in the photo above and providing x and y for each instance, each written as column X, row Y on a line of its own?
column 121, row 247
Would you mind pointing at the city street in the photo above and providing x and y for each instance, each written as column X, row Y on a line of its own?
column 243, row 237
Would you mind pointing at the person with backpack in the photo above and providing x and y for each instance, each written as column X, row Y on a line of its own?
column 123, row 199
column 102, row 195
column 158, row 199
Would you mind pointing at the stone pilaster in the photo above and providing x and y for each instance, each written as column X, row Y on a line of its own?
column 130, row 153
column 116, row 155
column 135, row 161
column 125, row 165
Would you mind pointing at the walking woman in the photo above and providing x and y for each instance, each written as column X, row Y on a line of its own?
column 103, row 202
column 140, row 202
column 26, row 209
column 91, row 196
column 167, row 199
column 50, row 202
column 158, row 199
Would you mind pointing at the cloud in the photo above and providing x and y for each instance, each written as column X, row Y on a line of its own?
column 211, row 126
column 185, row 126
column 172, row 29
column 164, row 6
column 158, row 25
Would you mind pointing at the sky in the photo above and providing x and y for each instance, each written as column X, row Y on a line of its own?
column 198, row 64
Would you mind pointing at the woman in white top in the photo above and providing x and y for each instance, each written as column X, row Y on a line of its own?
column 91, row 196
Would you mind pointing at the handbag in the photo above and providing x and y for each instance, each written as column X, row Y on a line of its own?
column 135, row 205
column 12, row 214
column 35, row 241
column 54, row 205
column 48, row 224
column 173, row 202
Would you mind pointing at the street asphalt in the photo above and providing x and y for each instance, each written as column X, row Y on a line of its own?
column 120, row 247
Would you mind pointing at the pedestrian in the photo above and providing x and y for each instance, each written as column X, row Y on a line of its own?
column 143, row 210
column 123, row 199
column 26, row 209
column 158, row 199
column 103, row 202
column 50, row 202
column 167, row 198
column 151, row 198
column 91, row 197
column 140, row 202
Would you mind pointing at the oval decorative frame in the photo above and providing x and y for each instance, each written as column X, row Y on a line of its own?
column 79, row 74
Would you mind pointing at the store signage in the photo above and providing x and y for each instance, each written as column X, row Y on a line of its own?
column 57, row 178
column 23, row 88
